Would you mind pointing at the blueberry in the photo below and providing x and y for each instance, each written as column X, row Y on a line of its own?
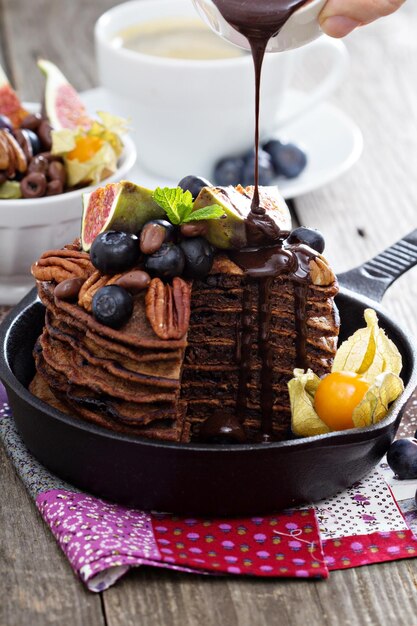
column 193, row 184
column 167, row 262
column 402, row 458
column 229, row 171
column 311, row 237
column 112, row 306
column 287, row 159
column 266, row 172
column 6, row 123
column 113, row 252
column 35, row 142
column 171, row 231
column 199, row 257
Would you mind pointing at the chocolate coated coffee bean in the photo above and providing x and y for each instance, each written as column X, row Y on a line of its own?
column 54, row 187
column 194, row 229
column 38, row 164
column 24, row 142
column 44, row 134
column 33, row 185
column 134, row 281
column 151, row 238
column 69, row 289
column 31, row 122
column 56, row 171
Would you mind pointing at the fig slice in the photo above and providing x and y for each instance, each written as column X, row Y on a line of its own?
column 63, row 105
column 120, row 206
column 10, row 104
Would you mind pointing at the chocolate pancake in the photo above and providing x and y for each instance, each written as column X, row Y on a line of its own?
column 164, row 429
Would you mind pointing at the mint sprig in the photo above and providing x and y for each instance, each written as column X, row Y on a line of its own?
column 178, row 205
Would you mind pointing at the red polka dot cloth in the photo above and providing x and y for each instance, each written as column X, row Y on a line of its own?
column 102, row 541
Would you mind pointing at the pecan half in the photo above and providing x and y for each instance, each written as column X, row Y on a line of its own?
column 58, row 265
column 12, row 157
column 91, row 286
column 4, row 151
column 168, row 308
column 320, row 272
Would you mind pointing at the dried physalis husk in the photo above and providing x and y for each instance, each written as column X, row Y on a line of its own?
column 386, row 388
column 368, row 353
column 302, row 389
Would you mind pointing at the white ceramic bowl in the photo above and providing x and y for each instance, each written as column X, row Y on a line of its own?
column 28, row 227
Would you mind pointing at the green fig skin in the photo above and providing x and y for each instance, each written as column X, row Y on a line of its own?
column 230, row 232
column 131, row 208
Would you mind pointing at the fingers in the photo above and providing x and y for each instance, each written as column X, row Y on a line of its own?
column 340, row 17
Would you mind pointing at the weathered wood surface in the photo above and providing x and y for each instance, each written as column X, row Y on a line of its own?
column 378, row 197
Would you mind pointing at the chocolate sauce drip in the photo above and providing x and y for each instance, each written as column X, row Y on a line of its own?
column 261, row 267
column 266, row 355
column 245, row 348
column 258, row 47
column 261, row 229
column 267, row 258
column 222, row 428
column 300, row 296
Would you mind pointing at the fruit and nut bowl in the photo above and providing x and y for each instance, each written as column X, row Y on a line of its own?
column 59, row 149
column 50, row 154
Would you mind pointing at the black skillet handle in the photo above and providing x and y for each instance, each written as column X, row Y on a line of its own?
column 373, row 278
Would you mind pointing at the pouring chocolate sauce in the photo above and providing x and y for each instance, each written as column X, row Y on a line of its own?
column 267, row 255
column 258, row 21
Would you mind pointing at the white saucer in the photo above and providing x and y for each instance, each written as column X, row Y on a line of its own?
column 332, row 141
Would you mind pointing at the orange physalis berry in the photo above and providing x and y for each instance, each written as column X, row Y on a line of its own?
column 85, row 149
column 337, row 395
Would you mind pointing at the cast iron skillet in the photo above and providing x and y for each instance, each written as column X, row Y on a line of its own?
column 210, row 480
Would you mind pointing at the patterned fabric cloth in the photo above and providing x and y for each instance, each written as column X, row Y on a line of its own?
column 103, row 540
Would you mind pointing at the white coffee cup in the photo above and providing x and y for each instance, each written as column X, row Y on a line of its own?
column 186, row 114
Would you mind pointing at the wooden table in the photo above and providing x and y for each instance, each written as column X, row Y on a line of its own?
column 362, row 212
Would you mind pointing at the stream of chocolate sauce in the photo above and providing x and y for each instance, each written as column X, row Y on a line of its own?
column 267, row 255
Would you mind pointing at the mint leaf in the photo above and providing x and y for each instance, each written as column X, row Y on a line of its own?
column 169, row 200
column 187, row 198
column 176, row 203
column 185, row 211
column 212, row 212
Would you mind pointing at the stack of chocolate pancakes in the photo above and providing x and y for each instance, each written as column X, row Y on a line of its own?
column 212, row 372
column 132, row 381
column 127, row 380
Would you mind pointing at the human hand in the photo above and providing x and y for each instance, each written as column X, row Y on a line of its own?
column 339, row 17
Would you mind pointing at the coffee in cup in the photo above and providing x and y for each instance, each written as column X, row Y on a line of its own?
column 176, row 38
